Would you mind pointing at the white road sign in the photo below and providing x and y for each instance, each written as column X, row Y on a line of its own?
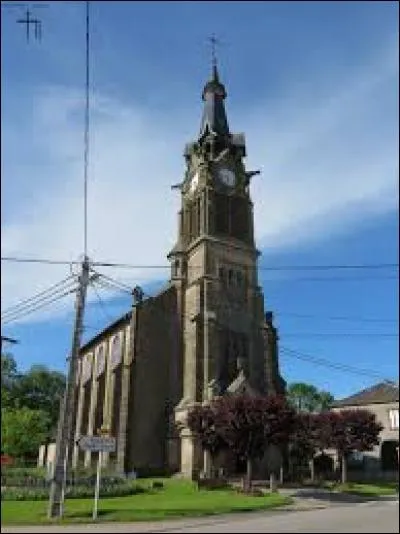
column 97, row 443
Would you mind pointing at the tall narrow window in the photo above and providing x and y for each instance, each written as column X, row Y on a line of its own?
column 198, row 216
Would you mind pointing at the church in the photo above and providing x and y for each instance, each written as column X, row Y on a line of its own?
column 206, row 334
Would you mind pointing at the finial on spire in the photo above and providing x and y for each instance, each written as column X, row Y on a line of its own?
column 214, row 41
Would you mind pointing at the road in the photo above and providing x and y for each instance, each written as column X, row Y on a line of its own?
column 367, row 517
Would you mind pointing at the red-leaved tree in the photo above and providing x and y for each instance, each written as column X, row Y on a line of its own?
column 244, row 424
column 352, row 430
column 203, row 422
column 305, row 439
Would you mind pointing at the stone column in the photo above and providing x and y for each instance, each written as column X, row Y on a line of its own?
column 92, row 411
column 107, row 401
column 125, row 392
column 191, row 454
column 75, row 454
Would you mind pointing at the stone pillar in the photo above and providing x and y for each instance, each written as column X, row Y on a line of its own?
column 107, row 401
column 75, row 454
column 191, row 454
column 42, row 456
column 125, row 392
column 92, row 411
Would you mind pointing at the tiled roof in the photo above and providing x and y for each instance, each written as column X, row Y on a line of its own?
column 377, row 394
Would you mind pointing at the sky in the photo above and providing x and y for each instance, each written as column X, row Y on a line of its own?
column 314, row 87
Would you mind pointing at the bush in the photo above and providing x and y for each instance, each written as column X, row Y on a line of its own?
column 212, row 483
column 72, row 492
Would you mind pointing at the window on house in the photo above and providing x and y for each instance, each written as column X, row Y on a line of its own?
column 221, row 273
column 231, row 276
column 394, row 419
column 239, row 278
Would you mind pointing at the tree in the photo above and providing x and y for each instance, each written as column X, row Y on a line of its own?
column 307, row 398
column 23, row 431
column 9, row 377
column 203, row 422
column 41, row 389
column 246, row 425
column 305, row 440
column 352, row 430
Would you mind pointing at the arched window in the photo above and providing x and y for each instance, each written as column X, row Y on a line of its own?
column 100, row 361
column 116, row 351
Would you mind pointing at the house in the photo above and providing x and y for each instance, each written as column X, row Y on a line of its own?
column 383, row 400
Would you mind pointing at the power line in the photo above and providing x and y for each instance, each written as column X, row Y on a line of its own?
column 373, row 266
column 40, row 260
column 86, row 132
column 337, row 317
column 101, row 302
column 286, row 350
column 20, row 310
column 34, row 297
column 37, row 307
column 339, row 334
column 327, row 363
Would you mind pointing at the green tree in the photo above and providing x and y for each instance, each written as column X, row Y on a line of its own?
column 307, row 398
column 9, row 378
column 22, row 431
column 41, row 389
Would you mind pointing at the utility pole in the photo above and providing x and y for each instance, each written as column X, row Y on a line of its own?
column 64, row 431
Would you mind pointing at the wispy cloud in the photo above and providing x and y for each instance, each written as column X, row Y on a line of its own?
column 328, row 160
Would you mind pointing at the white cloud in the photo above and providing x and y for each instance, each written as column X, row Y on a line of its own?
column 325, row 160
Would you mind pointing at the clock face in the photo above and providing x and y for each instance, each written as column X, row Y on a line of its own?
column 194, row 182
column 227, row 177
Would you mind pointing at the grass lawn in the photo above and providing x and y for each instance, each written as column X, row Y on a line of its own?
column 378, row 489
column 178, row 498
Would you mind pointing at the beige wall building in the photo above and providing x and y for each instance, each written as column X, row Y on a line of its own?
column 206, row 334
column 383, row 400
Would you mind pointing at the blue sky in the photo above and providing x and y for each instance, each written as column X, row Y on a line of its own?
column 314, row 87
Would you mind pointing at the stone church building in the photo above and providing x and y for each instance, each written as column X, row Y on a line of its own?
column 206, row 334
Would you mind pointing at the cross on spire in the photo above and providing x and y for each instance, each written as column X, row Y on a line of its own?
column 35, row 22
column 214, row 42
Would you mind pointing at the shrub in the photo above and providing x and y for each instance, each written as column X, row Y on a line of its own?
column 72, row 492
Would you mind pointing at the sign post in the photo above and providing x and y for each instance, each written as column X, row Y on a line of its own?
column 97, row 489
column 100, row 444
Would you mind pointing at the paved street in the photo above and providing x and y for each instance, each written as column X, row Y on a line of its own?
column 366, row 517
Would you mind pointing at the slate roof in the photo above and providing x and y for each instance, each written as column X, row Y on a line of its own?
column 377, row 394
column 214, row 115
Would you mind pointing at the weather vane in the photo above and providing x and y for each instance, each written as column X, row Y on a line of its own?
column 29, row 20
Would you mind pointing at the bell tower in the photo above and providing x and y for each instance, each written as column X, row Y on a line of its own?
column 214, row 266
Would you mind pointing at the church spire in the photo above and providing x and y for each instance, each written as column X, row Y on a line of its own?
column 214, row 115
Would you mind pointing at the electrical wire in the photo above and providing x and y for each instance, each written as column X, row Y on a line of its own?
column 42, row 305
column 20, row 310
column 336, row 318
column 287, row 351
column 339, row 334
column 86, row 135
column 101, row 302
column 34, row 297
column 259, row 268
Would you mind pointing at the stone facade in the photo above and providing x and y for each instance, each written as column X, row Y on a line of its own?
column 200, row 337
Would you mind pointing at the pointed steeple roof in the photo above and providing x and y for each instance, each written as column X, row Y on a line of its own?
column 214, row 115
